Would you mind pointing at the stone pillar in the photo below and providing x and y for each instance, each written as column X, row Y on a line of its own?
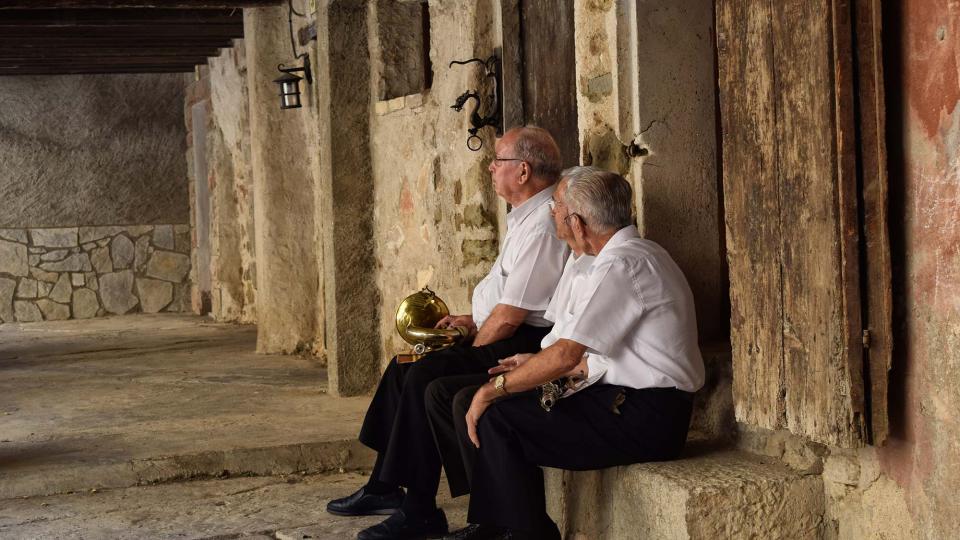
column 346, row 197
column 283, row 156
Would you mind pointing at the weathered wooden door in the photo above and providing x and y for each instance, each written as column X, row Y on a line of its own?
column 804, row 189
column 549, row 72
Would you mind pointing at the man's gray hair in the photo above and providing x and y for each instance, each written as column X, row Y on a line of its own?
column 536, row 146
column 603, row 199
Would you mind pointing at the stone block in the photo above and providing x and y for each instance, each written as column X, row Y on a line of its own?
column 102, row 263
column 142, row 253
column 26, row 311
column 52, row 311
column 85, row 304
column 14, row 235
column 88, row 246
column 168, row 266
column 62, row 290
column 43, row 289
column 116, row 290
column 42, row 275
column 77, row 280
column 381, row 108
column 181, row 229
column 478, row 251
column 7, row 289
column 27, row 288
column 154, row 294
column 139, row 230
column 55, row 238
column 721, row 495
column 183, row 242
column 163, row 237
column 91, row 279
column 92, row 234
column 37, row 250
column 55, row 255
column 599, row 87
column 121, row 252
column 13, row 258
column 33, row 260
column 78, row 262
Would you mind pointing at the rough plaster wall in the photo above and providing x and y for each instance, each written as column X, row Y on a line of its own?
column 435, row 205
column 228, row 163
column 284, row 151
column 923, row 453
column 659, row 94
column 92, row 150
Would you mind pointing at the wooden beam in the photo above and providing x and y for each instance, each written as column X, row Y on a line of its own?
column 35, row 42
column 144, row 32
column 59, row 18
column 79, row 53
column 112, row 4
column 154, row 61
column 94, row 70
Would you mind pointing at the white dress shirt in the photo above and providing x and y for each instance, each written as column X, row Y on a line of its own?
column 529, row 265
column 574, row 273
column 634, row 313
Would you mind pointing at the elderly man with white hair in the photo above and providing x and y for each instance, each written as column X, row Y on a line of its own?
column 625, row 343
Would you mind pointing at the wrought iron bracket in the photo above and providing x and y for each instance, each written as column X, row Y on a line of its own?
column 492, row 70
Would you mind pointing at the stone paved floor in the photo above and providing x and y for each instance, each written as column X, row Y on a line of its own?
column 285, row 508
column 116, row 402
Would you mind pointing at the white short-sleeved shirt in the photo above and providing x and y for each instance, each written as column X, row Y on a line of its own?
column 634, row 313
column 574, row 273
column 529, row 265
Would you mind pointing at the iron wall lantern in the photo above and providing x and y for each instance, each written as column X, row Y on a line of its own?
column 290, row 84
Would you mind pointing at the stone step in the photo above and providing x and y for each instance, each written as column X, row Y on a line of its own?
column 85, row 475
column 717, row 494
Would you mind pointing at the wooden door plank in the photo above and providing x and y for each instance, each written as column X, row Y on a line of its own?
column 820, row 386
column 873, row 171
column 748, row 121
column 549, row 81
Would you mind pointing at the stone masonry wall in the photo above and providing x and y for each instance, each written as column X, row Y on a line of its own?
column 436, row 220
column 83, row 272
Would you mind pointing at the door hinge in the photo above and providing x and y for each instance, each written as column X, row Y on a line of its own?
column 866, row 339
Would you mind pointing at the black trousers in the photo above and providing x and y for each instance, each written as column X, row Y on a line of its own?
column 396, row 422
column 598, row 427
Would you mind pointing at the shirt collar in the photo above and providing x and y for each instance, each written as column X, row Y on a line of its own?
column 520, row 213
column 620, row 237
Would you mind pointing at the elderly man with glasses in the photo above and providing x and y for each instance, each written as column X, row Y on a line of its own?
column 508, row 319
column 621, row 362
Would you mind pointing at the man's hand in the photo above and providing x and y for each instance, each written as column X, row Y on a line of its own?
column 509, row 364
column 481, row 400
column 450, row 321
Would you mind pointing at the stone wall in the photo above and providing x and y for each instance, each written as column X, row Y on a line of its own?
column 83, row 272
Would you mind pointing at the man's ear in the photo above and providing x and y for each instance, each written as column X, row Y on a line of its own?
column 524, row 172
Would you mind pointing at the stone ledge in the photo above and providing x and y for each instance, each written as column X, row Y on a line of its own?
column 727, row 494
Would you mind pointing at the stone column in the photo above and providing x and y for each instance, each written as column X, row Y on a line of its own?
column 346, row 196
column 284, row 165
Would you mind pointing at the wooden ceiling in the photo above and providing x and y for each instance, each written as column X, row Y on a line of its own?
column 121, row 36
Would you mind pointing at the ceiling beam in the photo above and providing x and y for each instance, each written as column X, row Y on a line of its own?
column 61, row 18
column 22, row 43
column 94, row 70
column 15, row 63
column 110, row 4
column 80, row 53
column 141, row 31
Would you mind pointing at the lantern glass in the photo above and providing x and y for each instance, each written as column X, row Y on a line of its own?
column 290, row 101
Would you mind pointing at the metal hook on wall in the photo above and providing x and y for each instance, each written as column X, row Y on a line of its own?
column 494, row 118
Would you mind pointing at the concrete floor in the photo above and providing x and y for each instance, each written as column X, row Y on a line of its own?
column 125, row 401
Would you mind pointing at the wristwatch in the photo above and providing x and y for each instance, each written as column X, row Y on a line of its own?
column 500, row 383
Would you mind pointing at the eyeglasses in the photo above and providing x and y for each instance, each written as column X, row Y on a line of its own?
column 499, row 160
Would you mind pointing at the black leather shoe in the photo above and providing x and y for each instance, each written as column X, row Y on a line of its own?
column 362, row 503
column 473, row 532
column 399, row 526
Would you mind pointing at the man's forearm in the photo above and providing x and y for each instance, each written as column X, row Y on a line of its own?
column 555, row 361
column 501, row 324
